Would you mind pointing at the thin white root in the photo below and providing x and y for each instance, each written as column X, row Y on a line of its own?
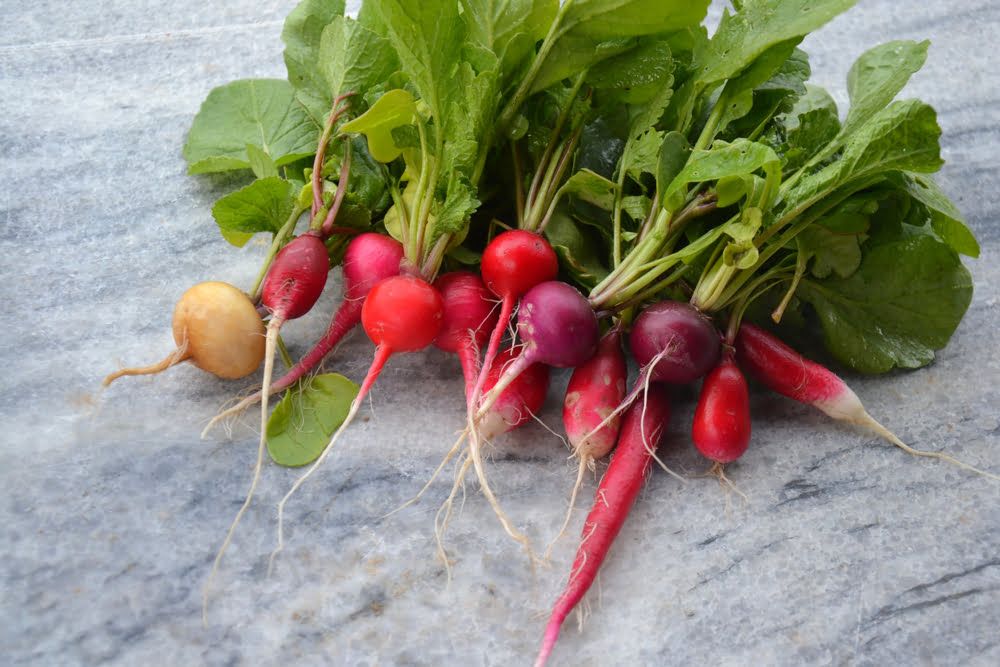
column 451, row 453
column 301, row 480
column 585, row 461
column 172, row 359
column 441, row 523
column 272, row 332
column 475, row 452
column 719, row 472
column 867, row 421
column 230, row 412
column 642, row 426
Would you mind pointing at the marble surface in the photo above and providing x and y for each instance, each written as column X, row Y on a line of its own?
column 848, row 552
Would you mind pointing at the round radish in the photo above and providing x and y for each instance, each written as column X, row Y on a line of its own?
column 674, row 342
column 217, row 328
column 518, row 402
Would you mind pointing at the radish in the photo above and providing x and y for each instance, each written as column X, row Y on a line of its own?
column 788, row 373
column 217, row 328
column 721, row 427
column 559, row 329
column 595, row 389
column 401, row 314
column 368, row 259
column 467, row 320
column 641, row 431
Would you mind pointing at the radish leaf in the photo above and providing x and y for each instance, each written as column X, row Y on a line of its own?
column 262, row 206
column 258, row 112
column 302, row 34
column 302, row 423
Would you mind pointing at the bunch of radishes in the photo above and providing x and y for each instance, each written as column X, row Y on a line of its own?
column 689, row 185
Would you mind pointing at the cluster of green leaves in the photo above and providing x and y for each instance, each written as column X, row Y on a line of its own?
column 738, row 177
column 650, row 153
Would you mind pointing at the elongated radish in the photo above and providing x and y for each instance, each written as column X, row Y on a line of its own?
column 217, row 328
column 721, row 428
column 401, row 314
column 594, row 391
column 558, row 328
column 788, row 373
column 368, row 259
column 291, row 288
column 468, row 317
column 641, row 432
column 517, row 403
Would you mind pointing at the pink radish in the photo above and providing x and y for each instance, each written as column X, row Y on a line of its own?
column 401, row 314
column 641, row 432
column 217, row 328
column 595, row 389
column 467, row 320
column 559, row 329
column 369, row 258
column 788, row 373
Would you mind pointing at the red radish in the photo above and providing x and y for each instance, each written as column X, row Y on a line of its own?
column 467, row 320
column 721, row 429
column 595, row 389
column 401, row 314
column 559, row 329
column 518, row 402
column 641, row 432
column 788, row 373
column 217, row 328
column 369, row 258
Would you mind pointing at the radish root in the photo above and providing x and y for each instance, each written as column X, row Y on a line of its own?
column 451, row 453
column 272, row 334
column 174, row 358
column 585, row 463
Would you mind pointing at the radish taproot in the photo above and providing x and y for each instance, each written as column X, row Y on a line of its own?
column 641, row 431
column 783, row 370
column 291, row 288
column 217, row 328
column 401, row 314
column 595, row 389
column 368, row 259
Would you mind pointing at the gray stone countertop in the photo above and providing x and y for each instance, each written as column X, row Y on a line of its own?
column 847, row 551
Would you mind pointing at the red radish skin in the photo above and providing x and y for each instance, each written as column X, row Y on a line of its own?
column 469, row 316
column 595, row 389
column 401, row 314
column 519, row 401
column 369, row 259
column 785, row 371
column 721, row 428
column 641, row 432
